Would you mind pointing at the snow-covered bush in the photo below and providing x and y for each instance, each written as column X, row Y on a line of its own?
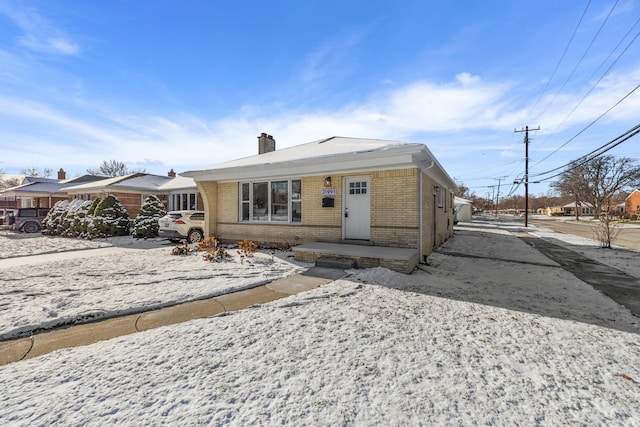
column 51, row 222
column 146, row 222
column 110, row 218
column 74, row 218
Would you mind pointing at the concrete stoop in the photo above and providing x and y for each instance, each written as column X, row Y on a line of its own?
column 78, row 335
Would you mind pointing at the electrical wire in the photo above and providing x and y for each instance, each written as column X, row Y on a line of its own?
column 575, row 31
column 584, row 129
column 593, row 154
column 579, row 61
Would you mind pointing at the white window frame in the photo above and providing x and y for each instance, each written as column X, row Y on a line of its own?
column 179, row 199
column 292, row 198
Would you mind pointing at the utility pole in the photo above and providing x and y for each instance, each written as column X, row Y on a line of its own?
column 493, row 197
column 498, row 193
column 526, row 172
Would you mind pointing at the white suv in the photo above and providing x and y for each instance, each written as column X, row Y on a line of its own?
column 177, row 225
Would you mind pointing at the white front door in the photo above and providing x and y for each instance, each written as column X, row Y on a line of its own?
column 357, row 208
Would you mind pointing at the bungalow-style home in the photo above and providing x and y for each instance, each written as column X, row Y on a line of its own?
column 569, row 209
column 463, row 209
column 339, row 190
column 177, row 193
column 45, row 192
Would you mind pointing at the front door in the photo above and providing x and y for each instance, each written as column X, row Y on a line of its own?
column 357, row 208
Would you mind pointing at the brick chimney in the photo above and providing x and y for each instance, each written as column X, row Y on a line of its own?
column 171, row 173
column 266, row 143
column 62, row 175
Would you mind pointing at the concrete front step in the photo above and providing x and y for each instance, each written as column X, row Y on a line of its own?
column 336, row 262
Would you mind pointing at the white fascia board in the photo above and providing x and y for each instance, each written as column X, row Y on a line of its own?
column 85, row 190
column 356, row 162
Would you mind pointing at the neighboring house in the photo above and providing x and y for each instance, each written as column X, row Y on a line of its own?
column 132, row 189
column 584, row 208
column 463, row 209
column 45, row 192
column 8, row 202
column 632, row 204
column 385, row 193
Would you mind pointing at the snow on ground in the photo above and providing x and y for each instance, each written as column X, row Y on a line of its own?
column 88, row 285
column 466, row 340
column 14, row 244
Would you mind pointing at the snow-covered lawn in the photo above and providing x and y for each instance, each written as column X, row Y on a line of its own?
column 113, row 277
column 502, row 336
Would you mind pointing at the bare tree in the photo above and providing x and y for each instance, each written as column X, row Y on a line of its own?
column 33, row 171
column 462, row 191
column 597, row 181
column 8, row 181
column 113, row 168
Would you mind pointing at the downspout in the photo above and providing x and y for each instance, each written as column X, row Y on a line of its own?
column 421, row 225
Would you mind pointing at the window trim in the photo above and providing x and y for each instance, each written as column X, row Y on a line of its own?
column 291, row 200
column 177, row 200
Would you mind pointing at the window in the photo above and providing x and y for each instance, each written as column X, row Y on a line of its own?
column 358, row 187
column 183, row 202
column 440, row 201
column 271, row 201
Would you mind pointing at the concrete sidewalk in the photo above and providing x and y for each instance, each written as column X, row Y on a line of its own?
column 46, row 342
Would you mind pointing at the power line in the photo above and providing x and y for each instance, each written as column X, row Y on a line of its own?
column 593, row 154
column 587, row 127
column 596, row 83
column 580, row 60
column 575, row 31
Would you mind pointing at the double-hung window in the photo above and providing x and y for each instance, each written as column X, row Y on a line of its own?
column 271, row 201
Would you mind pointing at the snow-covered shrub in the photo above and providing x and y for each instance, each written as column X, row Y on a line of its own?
column 146, row 222
column 110, row 218
column 84, row 226
column 74, row 217
column 66, row 216
column 51, row 222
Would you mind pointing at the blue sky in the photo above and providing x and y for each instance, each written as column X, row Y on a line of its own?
column 179, row 85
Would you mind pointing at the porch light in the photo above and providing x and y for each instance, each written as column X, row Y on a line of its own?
column 327, row 181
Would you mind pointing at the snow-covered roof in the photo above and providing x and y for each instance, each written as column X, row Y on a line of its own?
column 138, row 182
column 325, row 156
column 179, row 183
column 581, row 204
column 460, row 201
column 34, row 186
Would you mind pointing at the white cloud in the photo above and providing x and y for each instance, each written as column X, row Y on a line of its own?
column 421, row 111
column 39, row 34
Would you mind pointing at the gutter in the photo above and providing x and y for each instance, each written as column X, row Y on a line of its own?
column 421, row 225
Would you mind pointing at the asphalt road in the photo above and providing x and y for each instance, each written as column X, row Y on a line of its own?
column 629, row 236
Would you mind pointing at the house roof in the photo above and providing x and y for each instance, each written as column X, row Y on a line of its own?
column 41, row 187
column 326, row 156
column 581, row 204
column 179, row 183
column 460, row 201
column 136, row 182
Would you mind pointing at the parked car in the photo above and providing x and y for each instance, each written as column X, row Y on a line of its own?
column 178, row 225
column 29, row 220
column 6, row 216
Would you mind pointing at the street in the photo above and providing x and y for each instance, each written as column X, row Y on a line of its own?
column 629, row 236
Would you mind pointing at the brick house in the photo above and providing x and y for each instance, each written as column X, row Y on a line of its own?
column 341, row 190
column 632, row 205
column 45, row 192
